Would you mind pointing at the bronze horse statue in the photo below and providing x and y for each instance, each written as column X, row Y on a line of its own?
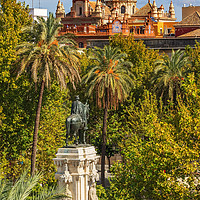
column 76, row 123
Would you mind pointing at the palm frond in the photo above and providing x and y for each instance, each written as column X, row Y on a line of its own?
column 169, row 71
column 45, row 58
column 23, row 187
column 110, row 74
column 51, row 193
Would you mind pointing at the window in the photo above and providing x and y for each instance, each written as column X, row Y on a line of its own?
column 123, row 9
column 133, row 9
column 141, row 30
column 80, row 11
column 169, row 30
column 160, row 31
column 80, row 45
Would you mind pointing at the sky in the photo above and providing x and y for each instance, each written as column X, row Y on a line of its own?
column 52, row 4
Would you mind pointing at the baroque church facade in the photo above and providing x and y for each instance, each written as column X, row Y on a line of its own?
column 102, row 19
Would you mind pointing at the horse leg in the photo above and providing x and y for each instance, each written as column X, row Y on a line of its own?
column 79, row 140
column 68, row 121
column 66, row 139
column 84, row 137
column 75, row 135
column 84, row 133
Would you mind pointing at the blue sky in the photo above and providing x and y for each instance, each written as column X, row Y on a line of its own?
column 51, row 5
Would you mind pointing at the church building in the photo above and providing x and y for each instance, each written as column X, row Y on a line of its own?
column 104, row 18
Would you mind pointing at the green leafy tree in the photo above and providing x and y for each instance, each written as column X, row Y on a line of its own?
column 13, row 16
column 15, row 100
column 142, row 59
column 110, row 81
column 160, row 151
column 52, row 131
column 46, row 57
column 194, row 57
column 169, row 73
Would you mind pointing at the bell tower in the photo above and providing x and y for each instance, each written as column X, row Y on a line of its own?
column 122, row 8
column 171, row 10
column 60, row 11
column 80, row 8
column 154, row 10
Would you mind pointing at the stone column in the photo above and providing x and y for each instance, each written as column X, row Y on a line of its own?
column 76, row 172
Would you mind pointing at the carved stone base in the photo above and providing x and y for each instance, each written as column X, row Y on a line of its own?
column 76, row 172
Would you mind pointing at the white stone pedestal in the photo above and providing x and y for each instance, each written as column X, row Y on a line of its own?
column 76, row 172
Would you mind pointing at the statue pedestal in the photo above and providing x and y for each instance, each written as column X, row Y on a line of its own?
column 76, row 172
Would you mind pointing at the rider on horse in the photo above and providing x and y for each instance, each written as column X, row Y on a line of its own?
column 78, row 117
column 78, row 108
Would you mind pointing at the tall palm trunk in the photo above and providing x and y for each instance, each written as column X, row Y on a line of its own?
column 103, row 153
column 36, row 127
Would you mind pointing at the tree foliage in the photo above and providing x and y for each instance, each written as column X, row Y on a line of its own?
column 142, row 58
column 13, row 16
column 159, row 144
column 169, row 74
column 160, row 152
column 110, row 81
column 110, row 77
column 52, row 131
column 18, row 104
column 46, row 57
column 16, row 97
column 23, row 188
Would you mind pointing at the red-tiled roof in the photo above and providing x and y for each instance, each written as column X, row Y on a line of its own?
column 143, row 11
column 93, row 5
column 193, row 19
column 193, row 34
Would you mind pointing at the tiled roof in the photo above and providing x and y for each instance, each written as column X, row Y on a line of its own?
column 193, row 19
column 107, row 10
column 93, row 5
column 143, row 11
column 195, row 33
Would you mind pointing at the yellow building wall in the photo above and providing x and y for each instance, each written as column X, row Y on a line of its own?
column 158, row 26
column 164, row 26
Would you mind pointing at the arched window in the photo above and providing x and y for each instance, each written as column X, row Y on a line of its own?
column 80, row 11
column 133, row 9
column 80, row 45
column 123, row 9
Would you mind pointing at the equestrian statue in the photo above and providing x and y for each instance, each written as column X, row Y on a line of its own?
column 76, row 123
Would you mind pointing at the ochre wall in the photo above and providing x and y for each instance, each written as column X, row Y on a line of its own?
column 164, row 25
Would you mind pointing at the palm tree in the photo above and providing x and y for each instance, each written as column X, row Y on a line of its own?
column 110, row 81
column 46, row 57
column 168, row 74
column 23, row 188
